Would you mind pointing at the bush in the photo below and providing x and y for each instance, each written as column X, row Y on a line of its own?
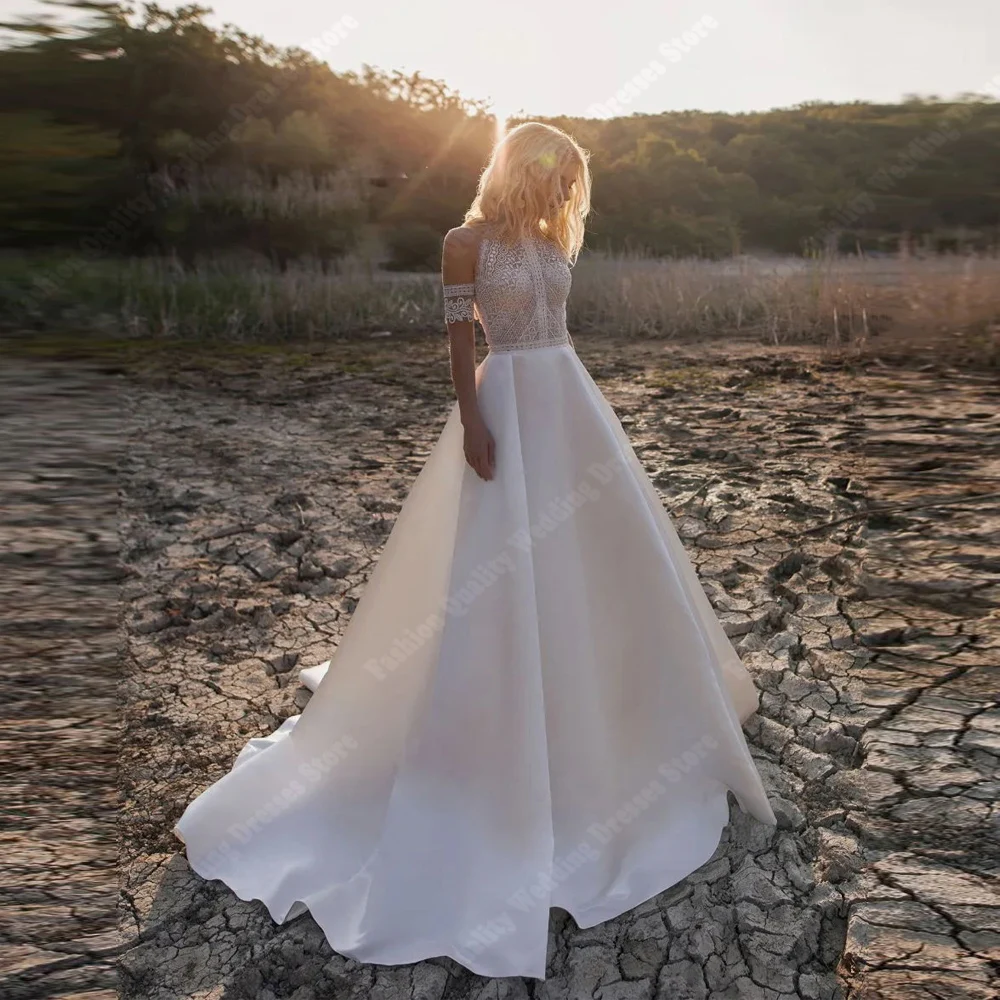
column 413, row 248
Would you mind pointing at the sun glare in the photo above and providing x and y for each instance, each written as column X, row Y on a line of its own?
column 502, row 115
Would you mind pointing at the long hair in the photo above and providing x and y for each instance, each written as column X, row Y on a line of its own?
column 522, row 180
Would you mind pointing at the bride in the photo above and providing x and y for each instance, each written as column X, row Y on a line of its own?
column 534, row 704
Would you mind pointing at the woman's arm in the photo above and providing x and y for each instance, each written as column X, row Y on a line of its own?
column 458, row 268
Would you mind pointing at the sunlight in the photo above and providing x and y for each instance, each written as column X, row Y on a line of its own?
column 502, row 114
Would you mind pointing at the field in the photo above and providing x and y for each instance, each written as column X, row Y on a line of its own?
column 844, row 518
column 944, row 308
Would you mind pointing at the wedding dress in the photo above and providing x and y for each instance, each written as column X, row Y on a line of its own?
column 533, row 704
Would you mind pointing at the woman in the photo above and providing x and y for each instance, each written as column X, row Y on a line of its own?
column 534, row 704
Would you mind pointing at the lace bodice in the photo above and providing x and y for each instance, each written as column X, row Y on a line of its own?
column 519, row 294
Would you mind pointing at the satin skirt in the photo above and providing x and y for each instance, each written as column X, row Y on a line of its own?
column 533, row 705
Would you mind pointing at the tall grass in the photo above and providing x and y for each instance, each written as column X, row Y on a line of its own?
column 947, row 305
column 227, row 299
column 830, row 300
column 305, row 302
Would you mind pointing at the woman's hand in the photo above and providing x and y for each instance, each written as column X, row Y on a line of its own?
column 480, row 450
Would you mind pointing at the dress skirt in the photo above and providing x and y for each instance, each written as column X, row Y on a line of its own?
column 533, row 705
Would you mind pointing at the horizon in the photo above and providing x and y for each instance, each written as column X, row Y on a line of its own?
column 657, row 63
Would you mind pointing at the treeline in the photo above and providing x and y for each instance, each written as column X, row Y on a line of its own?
column 149, row 132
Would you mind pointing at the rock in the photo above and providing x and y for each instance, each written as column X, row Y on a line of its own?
column 901, row 913
column 681, row 979
column 876, row 947
column 943, row 812
column 283, row 663
column 864, row 789
column 833, row 740
column 839, row 855
column 428, row 981
column 945, row 886
column 817, row 605
column 681, row 916
column 262, row 563
column 726, row 602
column 736, row 623
column 788, row 815
column 339, row 568
column 750, row 643
column 768, row 733
column 841, row 636
column 638, row 989
column 814, row 987
column 985, row 944
column 796, row 688
column 690, row 528
column 782, row 641
column 155, row 624
column 711, row 872
column 811, row 766
column 752, row 885
column 324, row 588
column 309, row 569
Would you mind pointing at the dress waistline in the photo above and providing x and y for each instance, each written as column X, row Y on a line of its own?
column 516, row 349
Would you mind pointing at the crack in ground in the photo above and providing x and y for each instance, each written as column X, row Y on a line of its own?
column 216, row 475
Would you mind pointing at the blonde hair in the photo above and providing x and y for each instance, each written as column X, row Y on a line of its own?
column 521, row 180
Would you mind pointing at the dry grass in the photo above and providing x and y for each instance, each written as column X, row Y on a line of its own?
column 950, row 305
column 947, row 308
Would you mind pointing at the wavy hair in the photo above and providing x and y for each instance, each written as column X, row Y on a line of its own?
column 522, row 181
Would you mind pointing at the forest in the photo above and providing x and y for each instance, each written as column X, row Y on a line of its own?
column 146, row 132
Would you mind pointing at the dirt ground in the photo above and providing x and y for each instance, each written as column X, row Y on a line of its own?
column 846, row 524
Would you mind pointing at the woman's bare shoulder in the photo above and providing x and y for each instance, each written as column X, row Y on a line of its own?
column 460, row 250
column 464, row 238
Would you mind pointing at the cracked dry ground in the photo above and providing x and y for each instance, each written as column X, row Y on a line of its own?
column 846, row 526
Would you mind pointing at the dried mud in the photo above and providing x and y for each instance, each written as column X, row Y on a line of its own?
column 844, row 522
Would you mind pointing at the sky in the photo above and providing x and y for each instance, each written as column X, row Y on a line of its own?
column 549, row 57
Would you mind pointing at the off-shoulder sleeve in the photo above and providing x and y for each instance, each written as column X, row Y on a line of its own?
column 459, row 301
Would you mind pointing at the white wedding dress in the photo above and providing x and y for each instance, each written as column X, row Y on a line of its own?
column 533, row 704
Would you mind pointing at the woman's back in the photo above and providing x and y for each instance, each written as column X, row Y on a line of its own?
column 520, row 292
